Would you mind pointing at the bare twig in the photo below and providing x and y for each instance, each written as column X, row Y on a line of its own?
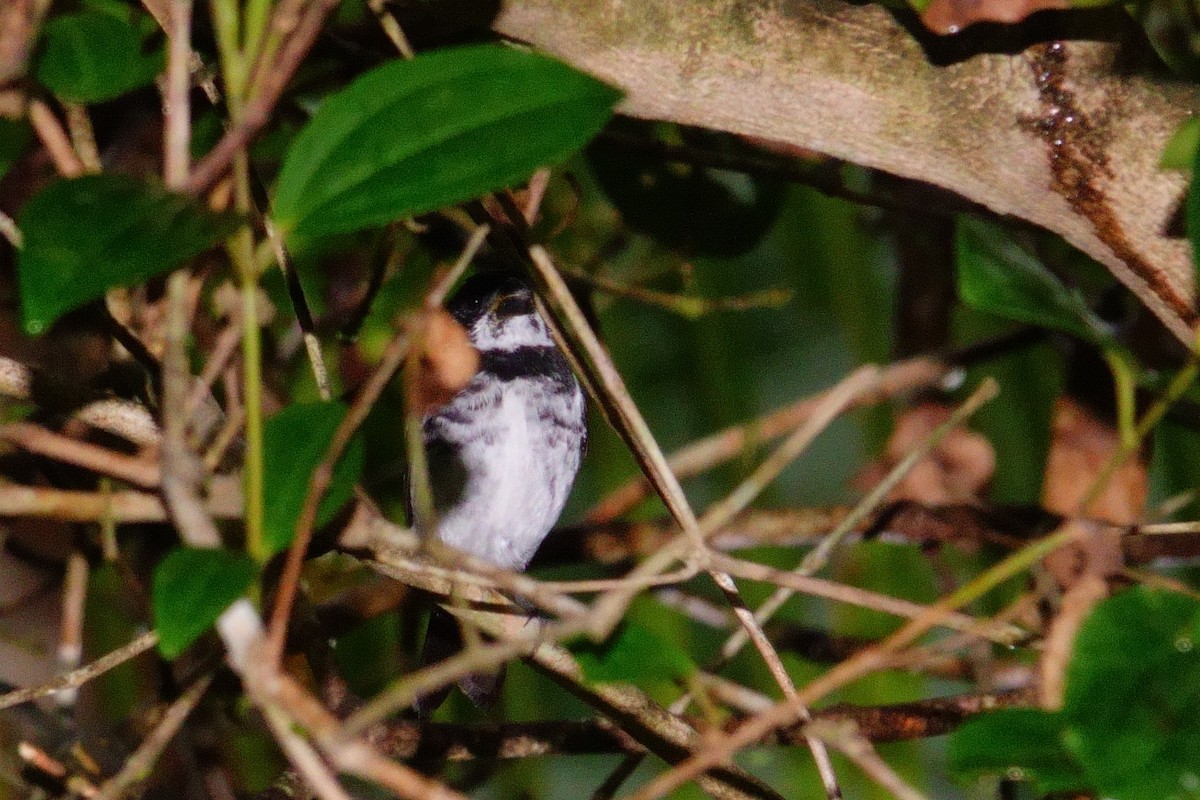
column 633, row 428
column 77, row 678
column 258, row 110
column 36, row 439
column 224, row 502
column 894, row 380
column 19, row 20
column 124, row 418
column 83, row 138
column 862, row 598
column 176, row 106
column 846, row 738
column 50, row 131
column 303, row 756
column 817, row 558
column 318, row 482
column 70, row 645
column 391, row 28
column 853, row 668
column 139, row 765
column 10, row 231
column 182, row 470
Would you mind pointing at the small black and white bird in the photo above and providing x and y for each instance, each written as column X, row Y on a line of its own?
column 503, row 453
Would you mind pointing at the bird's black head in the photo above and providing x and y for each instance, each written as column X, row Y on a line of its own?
column 502, row 295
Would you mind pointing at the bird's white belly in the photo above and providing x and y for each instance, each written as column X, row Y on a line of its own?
column 509, row 501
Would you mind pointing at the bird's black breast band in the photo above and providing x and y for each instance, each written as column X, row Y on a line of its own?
column 530, row 361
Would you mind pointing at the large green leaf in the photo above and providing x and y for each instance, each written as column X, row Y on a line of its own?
column 998, row 276
column 412, row 136
column 94, row 56
column 86, row 235
column 191, row 588
column 1130, row 724
column 294, row 443
column 1133, row 696
column 1026, row 739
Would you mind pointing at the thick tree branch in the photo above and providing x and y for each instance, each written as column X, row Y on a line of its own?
column 1067, row 136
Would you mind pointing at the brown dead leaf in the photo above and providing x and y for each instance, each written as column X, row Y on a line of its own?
column 1080, row 445
column 951, row 16
column 445, row 363
column 956, row 471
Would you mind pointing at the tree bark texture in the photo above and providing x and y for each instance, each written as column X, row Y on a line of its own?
column 1059, row 121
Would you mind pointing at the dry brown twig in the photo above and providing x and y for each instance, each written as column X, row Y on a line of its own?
column 611, row 391
column 78, row 677
column 36, row 439
column 269, row 85
column 817, row 557
column 140, row 763
column 52, row 136
column 892, row 381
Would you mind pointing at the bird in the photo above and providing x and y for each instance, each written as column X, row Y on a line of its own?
column 503, row 453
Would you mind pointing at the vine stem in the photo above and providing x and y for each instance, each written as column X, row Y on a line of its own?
column 234, row 60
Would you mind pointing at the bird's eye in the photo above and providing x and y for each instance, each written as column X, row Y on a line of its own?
column 511, row 305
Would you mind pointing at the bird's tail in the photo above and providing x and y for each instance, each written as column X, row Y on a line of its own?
column 443, row 638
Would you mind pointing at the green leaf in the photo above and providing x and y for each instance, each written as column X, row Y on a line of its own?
column 996, row 275
column 94, row 56
column 294, row 443
column 412, row 136
column 1180, row 151
column 86, row 235
column 191, row 588
column 1133, row 696
column 1175, row 467
column 634, row 654
column 1024, row 739
column 15, row 135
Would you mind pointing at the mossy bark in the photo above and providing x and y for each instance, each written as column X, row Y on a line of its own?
column 1059, row 121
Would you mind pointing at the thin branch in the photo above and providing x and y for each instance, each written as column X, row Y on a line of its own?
column 355, row 756
column 182, row 470
column 853, row 668
column 224, row 501
column 894, row 380
column 391, row 28
column 83, row 137
column 36, row 439
column 10, row 231
column 50, row 131
column 74, row 594
column 814, row 561
column 257, row 112
column 312, row 345
column 817, row 557
column 833, row 403
column 846, row 738
column 78, row 677
column 863, row 598
column 177, row 129
column 124, row 418
column 303, row 756
column 318, row 483
column 140, row 764
column 637, row 435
